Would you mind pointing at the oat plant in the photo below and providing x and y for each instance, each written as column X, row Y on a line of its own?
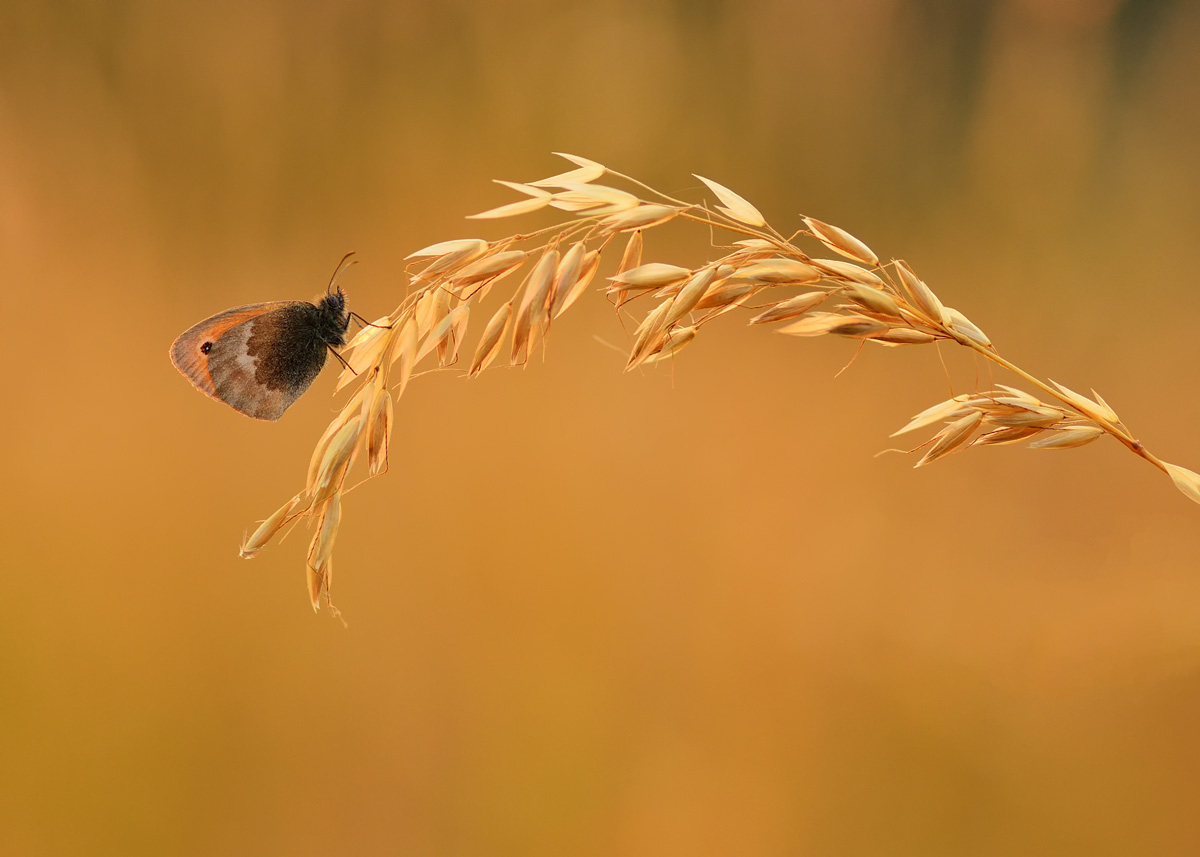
column 787, row 280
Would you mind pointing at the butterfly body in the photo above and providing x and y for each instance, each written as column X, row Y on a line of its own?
column 260, row 358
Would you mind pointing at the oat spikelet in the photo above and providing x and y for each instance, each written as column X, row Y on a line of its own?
column 791, row 308
column 734, row 205
column 841, row 241
column 585, row 172
column 1067, row 438
column 268, row 528
column 847, row 271
column 687, row 298
column 474, row 246
column 921, row 295
column 652, row 276
column 539, row 200
column 781, row 271
column 1185, row 480
column 575, row 272
column 951, row 438
column 379, row 431
column 336, row 460
column 676, row 340
column 642, row 217
column 489, row 343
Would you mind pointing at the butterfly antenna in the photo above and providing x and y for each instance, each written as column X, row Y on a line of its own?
column 339, row 270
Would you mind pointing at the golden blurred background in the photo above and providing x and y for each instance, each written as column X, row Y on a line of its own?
column 680, row 611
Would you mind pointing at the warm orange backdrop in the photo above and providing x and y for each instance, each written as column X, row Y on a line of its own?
column 682, row 611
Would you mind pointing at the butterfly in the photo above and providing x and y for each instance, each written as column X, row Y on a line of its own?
column 260, row 358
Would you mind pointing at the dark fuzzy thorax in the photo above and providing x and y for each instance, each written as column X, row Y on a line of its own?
column 332, row 319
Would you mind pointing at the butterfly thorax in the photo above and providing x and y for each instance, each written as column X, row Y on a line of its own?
column 332, row 319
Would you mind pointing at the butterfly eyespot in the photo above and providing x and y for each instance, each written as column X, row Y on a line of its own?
column 206, row 347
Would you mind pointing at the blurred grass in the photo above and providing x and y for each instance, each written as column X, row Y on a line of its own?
column 683, row 611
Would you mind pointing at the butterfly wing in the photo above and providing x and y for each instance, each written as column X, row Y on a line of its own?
column 250, row 357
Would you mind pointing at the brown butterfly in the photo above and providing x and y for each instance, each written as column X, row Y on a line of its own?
column 260, row 358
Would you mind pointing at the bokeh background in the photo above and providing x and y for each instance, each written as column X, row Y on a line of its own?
column 680, row 611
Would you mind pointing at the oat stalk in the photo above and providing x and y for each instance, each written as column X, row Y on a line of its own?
column 852, row 296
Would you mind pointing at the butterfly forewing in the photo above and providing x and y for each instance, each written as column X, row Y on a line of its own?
column 255, row 358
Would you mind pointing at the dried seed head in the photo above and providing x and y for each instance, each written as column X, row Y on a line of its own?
column 335, row 461
column 527, row 189
column 1039, row 416
column 352, row 407
column 841, row 241
column 641, row 217
column 490, row 266
column 1105, row 410
column 950, row 438
column 958, row 322
column 405, row 352
column 903, row 336
column 583, row 175
column 465, row 250
column 268, row 528
column 533, row 306
column 655, row 275
column 859, row 327
column 1017, row 397
column 379, row 431
column 791, row 308
column 648, row 335
column 847, row 272
column 537, row 291
column 727, row 295
column 950, row 409
column 820, row 323
column 873, row 299
column 440, row 332
column 588, row 171
column 1185, row 480
column 1085, row 405
column 593, row 198
column 675, row 341
column 690, row 295
column 429, row 307
column 734, row 205
column 322, row 543
column 589, row 266
column 632, row 257
column 1001, row 436
column 446, row 248
column 316, row 584
column 448, row 347
column 489, row 342
column 922, row 297
column 365, row 351
column 780, row 271
column 518, row 348
column 539, row 200
column 567, row 273
column 1067, row 438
